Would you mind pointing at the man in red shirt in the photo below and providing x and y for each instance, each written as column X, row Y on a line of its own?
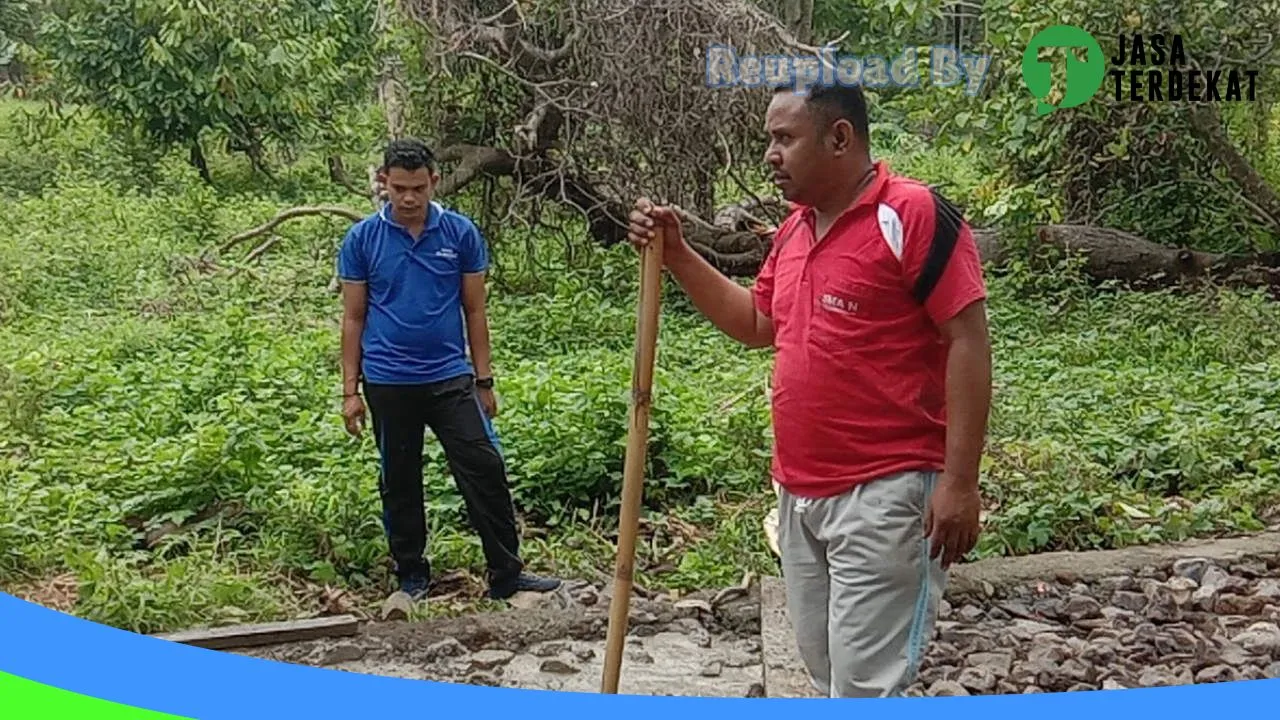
column 873, row 299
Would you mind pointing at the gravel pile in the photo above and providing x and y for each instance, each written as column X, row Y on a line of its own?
column 1192, row 622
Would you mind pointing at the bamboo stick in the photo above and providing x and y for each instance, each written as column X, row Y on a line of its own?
column 637, row 449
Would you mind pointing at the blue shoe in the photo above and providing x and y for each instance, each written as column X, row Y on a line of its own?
column 524, row 582
column 415, row 586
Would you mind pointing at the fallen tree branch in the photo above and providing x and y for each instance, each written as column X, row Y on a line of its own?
column 289, row 214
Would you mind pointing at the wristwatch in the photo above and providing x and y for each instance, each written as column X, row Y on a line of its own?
column 484, row 383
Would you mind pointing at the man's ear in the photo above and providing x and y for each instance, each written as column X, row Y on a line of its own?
column 842, row 137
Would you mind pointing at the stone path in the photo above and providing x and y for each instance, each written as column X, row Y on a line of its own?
column 1143, row 617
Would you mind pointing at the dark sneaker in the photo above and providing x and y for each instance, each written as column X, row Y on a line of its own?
column 524, row 583
column 415, row 586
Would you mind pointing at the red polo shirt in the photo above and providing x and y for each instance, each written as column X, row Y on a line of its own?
column 859, row 377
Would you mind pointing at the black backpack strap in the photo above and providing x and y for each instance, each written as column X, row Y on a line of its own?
column 946, row 230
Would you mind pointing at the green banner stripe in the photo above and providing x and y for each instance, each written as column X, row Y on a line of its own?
column 21, row 699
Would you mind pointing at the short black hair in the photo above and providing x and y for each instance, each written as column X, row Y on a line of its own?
column 408, row 153
column 837, row 101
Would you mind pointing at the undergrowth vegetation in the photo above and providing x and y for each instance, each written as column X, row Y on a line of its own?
column 138, row 391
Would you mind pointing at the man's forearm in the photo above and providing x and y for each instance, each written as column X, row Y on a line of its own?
column 968, row 405
column 478, row 338
column 351, row 332
column 726, row 304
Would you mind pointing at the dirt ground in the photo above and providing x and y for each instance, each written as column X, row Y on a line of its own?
column 703, row 645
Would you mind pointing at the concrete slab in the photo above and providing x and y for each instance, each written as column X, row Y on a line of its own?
column 784, row 674
column 1097, row 564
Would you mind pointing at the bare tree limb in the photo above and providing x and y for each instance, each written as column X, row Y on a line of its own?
column 284, row 215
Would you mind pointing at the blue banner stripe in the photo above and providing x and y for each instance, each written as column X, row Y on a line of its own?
column 83, row 657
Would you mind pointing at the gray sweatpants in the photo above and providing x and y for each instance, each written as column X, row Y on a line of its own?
column 862, row 593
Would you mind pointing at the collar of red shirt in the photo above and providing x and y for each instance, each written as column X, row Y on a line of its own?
column 867, row 196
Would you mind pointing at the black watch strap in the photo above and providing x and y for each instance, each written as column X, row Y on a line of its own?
column 484, row 383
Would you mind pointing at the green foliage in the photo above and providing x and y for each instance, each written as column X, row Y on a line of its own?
column 136, row 391
column 169, row 71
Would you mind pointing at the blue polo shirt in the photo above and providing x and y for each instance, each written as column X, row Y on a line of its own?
column 414, row 330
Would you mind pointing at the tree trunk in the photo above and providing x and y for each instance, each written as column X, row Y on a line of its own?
column 797, row 15
column 1208, row 126
column 1141, row 264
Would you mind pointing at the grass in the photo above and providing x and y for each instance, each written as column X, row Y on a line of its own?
column 136, row 391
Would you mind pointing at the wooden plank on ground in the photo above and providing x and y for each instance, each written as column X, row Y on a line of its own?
column 233, row 636
column 784, row 673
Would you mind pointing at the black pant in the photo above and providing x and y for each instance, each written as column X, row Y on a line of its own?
column 400, row 415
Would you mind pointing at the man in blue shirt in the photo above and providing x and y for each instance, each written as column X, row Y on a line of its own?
column 413, row 279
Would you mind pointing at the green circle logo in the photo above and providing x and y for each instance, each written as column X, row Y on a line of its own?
column 1083, row 77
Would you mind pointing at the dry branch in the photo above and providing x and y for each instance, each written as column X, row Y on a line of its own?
column 284, row 215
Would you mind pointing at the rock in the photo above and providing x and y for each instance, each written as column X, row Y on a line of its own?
column 1174, row 640
column 587, row 596
column 1157, row 677
column 490, row 659
column 1231, row 604
column 969, row 638
column 693, row 606
column 946, row 688
column 1261, row 638
column 1117, row 583
column 1045, row 652
column 1217, row 673
column 999, row 663
column 1112, row 684
column 550, row 648
column 701, row 637
column 1191, row 568
column 944, row 610
column 1273, row 671
column 1031, row 690
column 346, row 652
column 1249, row 569
column 970, row 614
column 1017, row 609
column 585, row 654
column 557, row 666
column 1182, row 589
column 998, row 614
column 559, row 599
column 756, row 690
column 1077, row 670
column 644, row 631
column 1268, row 589
column 1050, row 608
column 641, row 617
column 482, row 679
column 444, row 649
column 1102, row 652
column 1150, row 571
column 1119, row 617
column 715, row 668
column 1211, row 584
column 1233, row 654
column 980, row 679
column 1161, row 606
column 742, row 617
column 397, row 606
column 1080, row 687
column 640, row 656
column 1027, row 629
column 1081, row 607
